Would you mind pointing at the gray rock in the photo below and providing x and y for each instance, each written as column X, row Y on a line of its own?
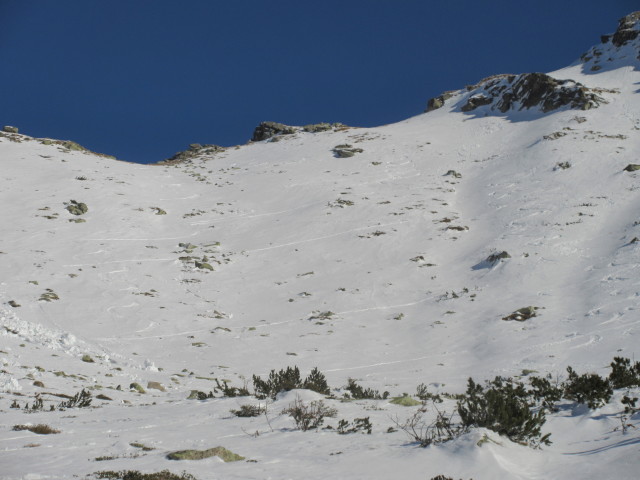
column 627, row 30
column 632, row 167
column 9, row 129
column 346, row 150
column 77, row 208
column 531, row 90
column 267, row 130
column 496, row 257
column 194, row 150
column 522, row 314
column 438, row 102
column 323, row 127
column 476, row 101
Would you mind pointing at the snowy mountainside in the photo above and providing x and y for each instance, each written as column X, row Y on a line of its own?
column 371, row 264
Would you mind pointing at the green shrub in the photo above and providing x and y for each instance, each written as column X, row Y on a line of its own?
column 289, row 379
column 440, row 430
column 81, row 399
column 545, row 393
column 502, row 406
column 249, row 411
column 228, row 391
column 359, row 425
column 623, row 374
column 358, row 393
column 309, row 416
column 588, row 388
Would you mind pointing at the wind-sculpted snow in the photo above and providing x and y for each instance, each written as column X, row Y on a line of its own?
column 389, row 267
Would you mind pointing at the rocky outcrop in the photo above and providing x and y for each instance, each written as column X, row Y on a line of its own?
column 531, row 90
column 438, row 102
column 324, row 127
column 274, row 130
column 267, row 130
column 9, row 129
column 628, row 29
column 71, row 146
column 621, row 46
column 194, row 150
column 345, row 151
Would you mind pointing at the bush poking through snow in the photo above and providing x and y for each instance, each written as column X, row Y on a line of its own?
column 289, row 379
column 545, row 393
column 440, row 430
column 81, row 399
column 588, row 388
column 309, row 416
column 40, row 429
column 249, row 411
column 228, row 391
column 624, row 374
column 358, row 393
column 359, row 425
column 502, row 406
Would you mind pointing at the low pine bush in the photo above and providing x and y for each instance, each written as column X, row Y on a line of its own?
column 289, row 379
column 357, row 392
column 624, row 374
column 588, row 388
column 502, row 406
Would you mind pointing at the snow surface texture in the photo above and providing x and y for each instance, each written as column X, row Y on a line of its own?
column 382, row 239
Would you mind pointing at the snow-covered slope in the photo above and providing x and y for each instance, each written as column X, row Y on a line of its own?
column 370, row 267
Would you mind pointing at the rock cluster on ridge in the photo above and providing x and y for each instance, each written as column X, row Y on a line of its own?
column 267, row 130
column 526, row 91
column 617, row 49
column 628, row 29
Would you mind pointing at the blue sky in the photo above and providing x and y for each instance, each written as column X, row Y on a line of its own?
column 142, row 79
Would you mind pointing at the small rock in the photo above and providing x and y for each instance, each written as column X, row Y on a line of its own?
column 522, row 314
column 632, row 167
column 156, row 386
column 270, row 129
column 14, row 304
column 346, row 151
column 203, row 266
column 137, row 387
column 38, row 383
column 77, row 208
column 496, row 257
